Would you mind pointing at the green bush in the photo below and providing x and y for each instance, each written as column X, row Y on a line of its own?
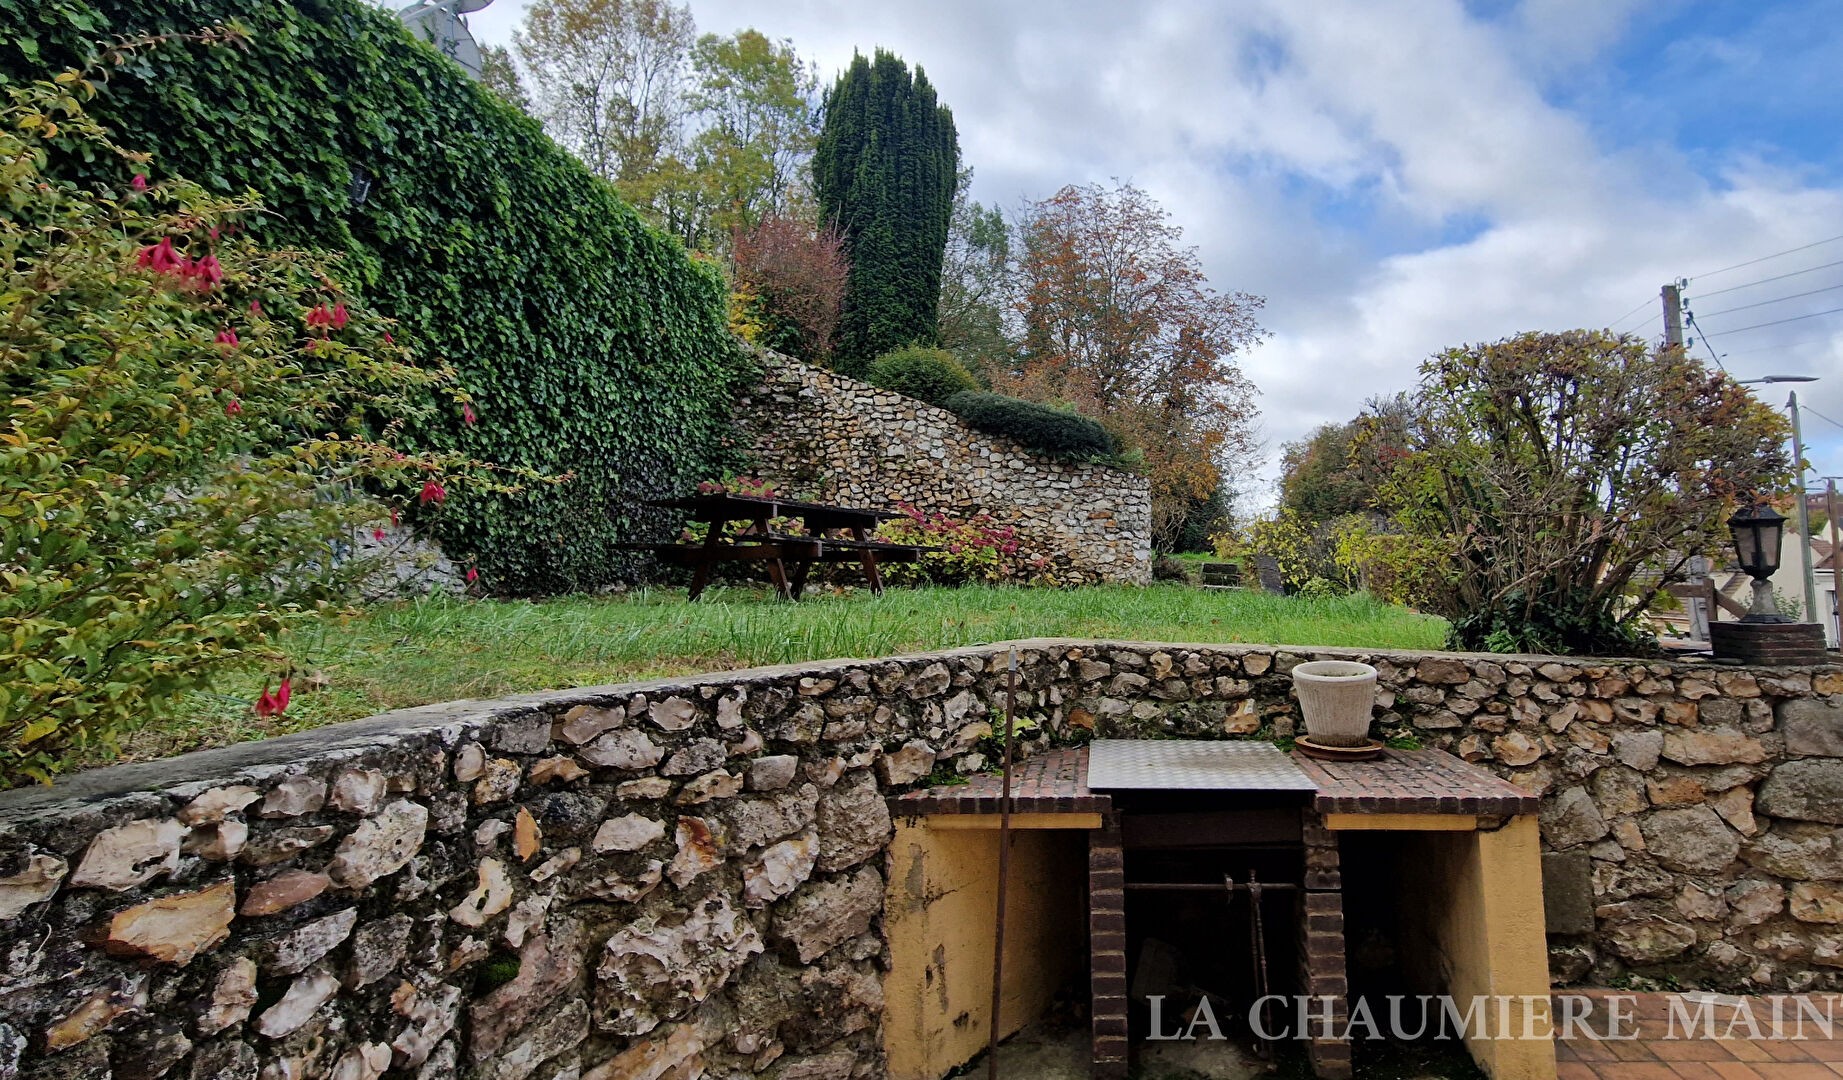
column 190, row 422
column 588, row 342
column 1050, row 431
column 930, row 375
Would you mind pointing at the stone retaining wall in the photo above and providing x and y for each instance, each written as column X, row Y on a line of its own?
column 652, row 879
column 815, row 431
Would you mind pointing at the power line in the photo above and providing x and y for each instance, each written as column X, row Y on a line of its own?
column 1642, row 304
column 1782, row 348
column 1705, row 339
column 1775, row 277
column 1776, row 300
column 1821, row 416
column 1776, row 322
column 1774, row 255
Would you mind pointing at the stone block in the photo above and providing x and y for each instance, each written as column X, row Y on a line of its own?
column 1567, row 892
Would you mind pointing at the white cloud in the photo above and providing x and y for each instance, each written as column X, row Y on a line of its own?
column 1392, row 176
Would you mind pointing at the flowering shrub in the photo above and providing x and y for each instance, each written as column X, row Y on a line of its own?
column 754, row 486
column 972, row 550
column 194, row 430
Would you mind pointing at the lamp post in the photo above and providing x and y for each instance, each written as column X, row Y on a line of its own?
column 1798, row 466
column 1757, row 532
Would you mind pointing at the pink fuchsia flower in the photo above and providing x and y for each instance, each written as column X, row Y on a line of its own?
column 377, row 534
column 160, row 258
column 233, row 407
column 228, row 338
column 433, row 492
column 388, row 340
column 395, row 517
column 338, row 317
column 203, row 272
column 320, row 316
column 277, row 703
column 256, row 308
column 467, row 415
column 473, row 574
column 139, row 183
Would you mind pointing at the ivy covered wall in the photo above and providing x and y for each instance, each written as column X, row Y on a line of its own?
column 591, row 343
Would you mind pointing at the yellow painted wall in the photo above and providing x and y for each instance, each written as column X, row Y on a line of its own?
column 1473, row 926
column 939, row 915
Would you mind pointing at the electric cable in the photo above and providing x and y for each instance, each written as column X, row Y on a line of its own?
column 1774, row 255
column 1776, row 322
column 1777, row 300
column 1775, row 277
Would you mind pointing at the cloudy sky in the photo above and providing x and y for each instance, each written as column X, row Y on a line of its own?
column 1395, row 177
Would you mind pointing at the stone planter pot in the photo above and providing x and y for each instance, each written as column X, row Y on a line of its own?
column 1336, row 697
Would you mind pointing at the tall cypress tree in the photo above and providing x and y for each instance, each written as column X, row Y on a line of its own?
column 884, row 172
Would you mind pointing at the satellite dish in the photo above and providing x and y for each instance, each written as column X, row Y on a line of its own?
column 439, row 23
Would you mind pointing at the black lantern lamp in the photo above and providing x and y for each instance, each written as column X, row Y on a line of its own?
column 1757, row 531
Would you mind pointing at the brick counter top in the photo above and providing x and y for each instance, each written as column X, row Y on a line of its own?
column 1051, row 783
column 1422, row 781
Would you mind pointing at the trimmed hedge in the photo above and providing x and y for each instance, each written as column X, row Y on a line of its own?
column 930, row 375
column 590, row 343
column 1037, row 427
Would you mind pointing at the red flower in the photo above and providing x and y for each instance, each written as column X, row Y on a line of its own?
column 277, row 703
column 394, row 517
column 256, row 308
column 377, row 534
column 160, row 258
column 467, row 415
column 228, row 338
column 320, row 316
column 433, row 492
column 473, row 574
column 388, row 340
column 338, row 317
column 139, row 183
column 233, row 407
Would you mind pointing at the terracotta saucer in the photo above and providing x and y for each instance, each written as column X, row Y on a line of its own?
column 1370, row 748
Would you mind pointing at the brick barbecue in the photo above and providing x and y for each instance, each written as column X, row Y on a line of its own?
column 1398, row 782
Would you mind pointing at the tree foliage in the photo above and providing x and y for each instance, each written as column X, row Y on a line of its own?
column 1120, row 320
column 194, row 426
column 884, row 173
column 930, row 375
column 499, row 73
column 1338, row 468
column 789, row 287
column 607, row 79
column 977, row 284
column 587, row 341
column 754, row 100
column 1550, row 474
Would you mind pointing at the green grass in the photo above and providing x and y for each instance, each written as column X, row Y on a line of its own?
column 440, row 649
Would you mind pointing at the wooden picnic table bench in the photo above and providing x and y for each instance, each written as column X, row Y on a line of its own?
column 789, row 557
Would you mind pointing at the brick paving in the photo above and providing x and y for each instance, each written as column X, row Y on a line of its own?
column 1716, row 1044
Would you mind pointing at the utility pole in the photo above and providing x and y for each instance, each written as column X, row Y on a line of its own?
column 1700, row 611
column 1673, row 313
column 1804, row 518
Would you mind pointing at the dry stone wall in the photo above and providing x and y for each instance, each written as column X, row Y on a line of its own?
column 849, row 442
column 686, row 877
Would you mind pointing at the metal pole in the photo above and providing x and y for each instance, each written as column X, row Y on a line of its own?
column 1004, row 873
column 1804, row 520
column 1836, row 552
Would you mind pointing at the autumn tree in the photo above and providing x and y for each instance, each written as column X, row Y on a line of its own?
column 607, row 79
column 499, row 74
column 1556, row 483
column 1338, row 469
column 755, row 102
column 976, row 283
column 884, row 173
column 1120, row 320
column 789, row 287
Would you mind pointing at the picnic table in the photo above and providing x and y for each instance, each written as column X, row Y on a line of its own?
column 829, row 534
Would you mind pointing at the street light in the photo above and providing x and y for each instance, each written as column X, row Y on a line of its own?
column 1757, row 531
column 1798, row 465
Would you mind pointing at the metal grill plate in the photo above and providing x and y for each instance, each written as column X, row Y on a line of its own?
column 1192, row 764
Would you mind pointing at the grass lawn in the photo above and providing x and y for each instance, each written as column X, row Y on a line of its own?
column 441, row 649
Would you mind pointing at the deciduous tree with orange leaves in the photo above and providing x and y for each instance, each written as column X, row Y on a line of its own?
column 1121, row 321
